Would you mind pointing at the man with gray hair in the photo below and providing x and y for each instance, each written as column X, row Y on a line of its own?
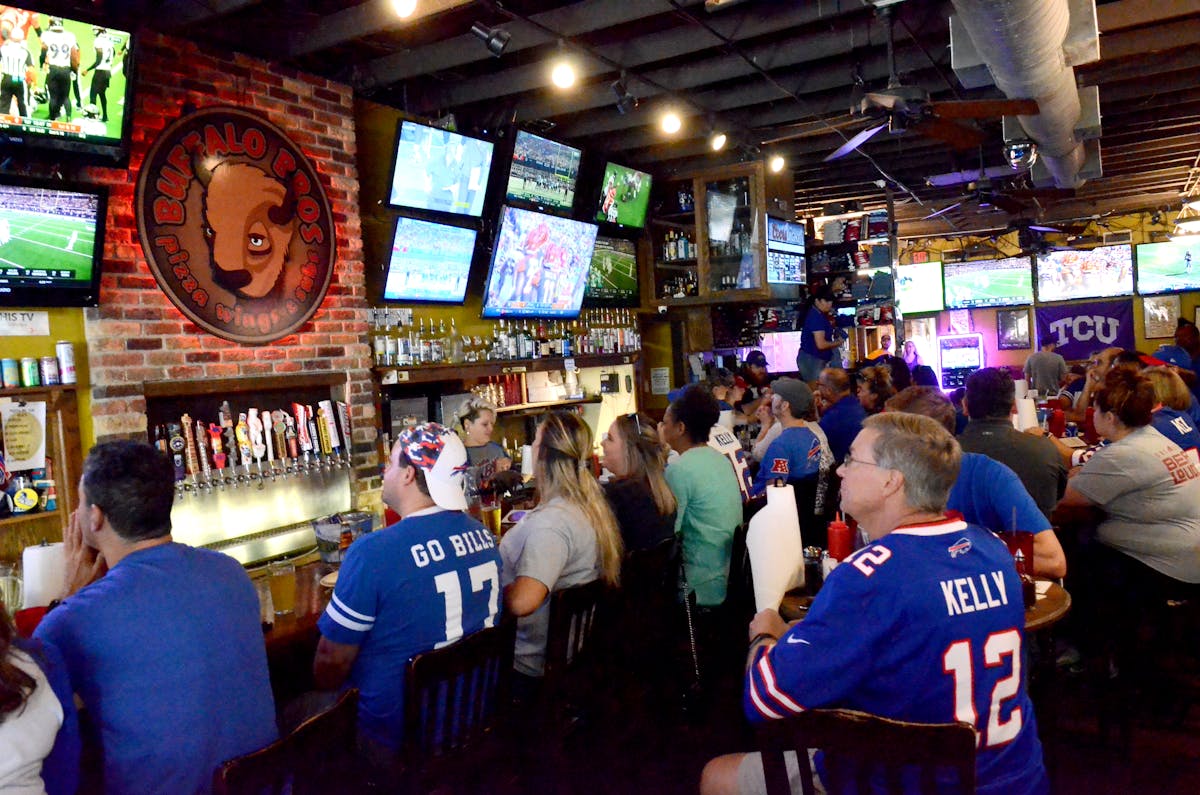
column 924, row 624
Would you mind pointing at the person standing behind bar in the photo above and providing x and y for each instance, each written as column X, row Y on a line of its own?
column 165, row 650
column 924, row 624
column 818, row 338
column 478, row 420
column 423, row 583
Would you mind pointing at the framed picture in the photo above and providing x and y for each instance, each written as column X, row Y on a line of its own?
column 1160, row 313
column 1012, row 329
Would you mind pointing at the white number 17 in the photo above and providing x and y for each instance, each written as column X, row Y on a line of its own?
column 448, row 586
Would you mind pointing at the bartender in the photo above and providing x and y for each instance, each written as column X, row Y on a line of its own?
column 477, row 421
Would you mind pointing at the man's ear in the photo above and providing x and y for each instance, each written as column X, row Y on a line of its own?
column 894, row 483
column 94, row 518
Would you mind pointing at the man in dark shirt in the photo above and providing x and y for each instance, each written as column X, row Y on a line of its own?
column 842, row 415
column 989, row 402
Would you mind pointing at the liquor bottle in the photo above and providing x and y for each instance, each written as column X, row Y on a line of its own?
column 457, row 355
column 390, row 349
column 404, row 349
column 438, row 343
column 543, row 340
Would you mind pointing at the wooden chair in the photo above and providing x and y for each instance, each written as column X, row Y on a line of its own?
column 646, row 614
column 317, row 757
column 455, row 705
column 864, row 750
column 571, row 647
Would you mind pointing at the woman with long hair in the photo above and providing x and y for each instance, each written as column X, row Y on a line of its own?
column 476, row 422
column 638, row 492
column 571, row 538
column 39, row 730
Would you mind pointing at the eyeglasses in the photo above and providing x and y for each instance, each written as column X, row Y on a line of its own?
column 851, row 460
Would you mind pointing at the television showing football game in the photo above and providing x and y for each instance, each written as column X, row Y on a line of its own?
column 539, row 267
column 919, row 288
column 544, row 172
column 439, row 170
column 428, row 262
column 51, row 243
column 67, row 84
column 785, row 252
column 1096, row 273
column 624, row 196
column 613, row 278
column 1168, row 267
column 988, row 282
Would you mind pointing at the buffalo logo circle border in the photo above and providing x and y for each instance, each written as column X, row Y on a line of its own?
column 235, row 225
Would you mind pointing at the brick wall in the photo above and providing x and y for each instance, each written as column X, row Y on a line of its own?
column 137, row 334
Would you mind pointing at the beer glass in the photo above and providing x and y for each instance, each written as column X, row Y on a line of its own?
column 282, row 580
column 10, row 588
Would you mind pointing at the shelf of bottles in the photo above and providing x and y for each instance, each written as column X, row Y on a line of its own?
column 732, row 232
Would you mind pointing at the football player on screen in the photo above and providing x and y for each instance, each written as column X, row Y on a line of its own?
column 106, row 53
column 60, row 53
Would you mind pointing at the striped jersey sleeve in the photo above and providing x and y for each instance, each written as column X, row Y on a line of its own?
column 350, row 615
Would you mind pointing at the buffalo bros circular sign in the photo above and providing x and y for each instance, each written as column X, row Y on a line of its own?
column 235, row 225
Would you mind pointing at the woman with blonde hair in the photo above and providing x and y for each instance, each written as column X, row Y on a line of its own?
column 1171, row 417
column 638, row 492
column 476, row 420
column 571, row 538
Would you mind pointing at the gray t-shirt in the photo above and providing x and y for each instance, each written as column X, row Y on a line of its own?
column 1045, row 370
column 1150, row 490
column 555, row 545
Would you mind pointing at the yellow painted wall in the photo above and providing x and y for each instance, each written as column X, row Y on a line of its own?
column 65, row 324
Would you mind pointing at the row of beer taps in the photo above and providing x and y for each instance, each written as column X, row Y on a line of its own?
column 261, row 444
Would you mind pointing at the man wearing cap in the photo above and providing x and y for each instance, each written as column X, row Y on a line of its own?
column 757, row 378
column 801, row 450
column 423, row 583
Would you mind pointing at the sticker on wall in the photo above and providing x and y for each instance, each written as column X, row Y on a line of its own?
column 235, row 225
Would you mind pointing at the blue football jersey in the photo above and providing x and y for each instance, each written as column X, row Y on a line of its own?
column 420, row 584
column 923, row 625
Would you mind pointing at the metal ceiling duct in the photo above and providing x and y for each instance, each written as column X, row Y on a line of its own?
column 1022, row 43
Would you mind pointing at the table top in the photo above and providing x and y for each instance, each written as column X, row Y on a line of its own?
column 300, row 626
column 1049, row 609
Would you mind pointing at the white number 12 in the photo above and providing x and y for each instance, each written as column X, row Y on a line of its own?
column 447, row 585
column 957, row 662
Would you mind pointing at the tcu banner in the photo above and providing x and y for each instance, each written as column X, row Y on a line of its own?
column 1080, row 329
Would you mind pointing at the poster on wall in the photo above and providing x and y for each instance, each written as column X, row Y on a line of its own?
column 1012, row 329
column 1160, row 314
column 1081, row 329
column 235, row 225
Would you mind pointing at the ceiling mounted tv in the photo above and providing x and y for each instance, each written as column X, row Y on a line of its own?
column 439, row 170
column 1168, row 267
column 919, row 288
column 988, row 282
column 51, row 243
column 539, row 266
column 79, row 100
column 613, row 278
column 428, row 262
column 785, row 252
column 624, row 196
column 1096, row 273
column 543, row 173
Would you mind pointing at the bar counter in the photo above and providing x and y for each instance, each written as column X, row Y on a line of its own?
column 292, row 640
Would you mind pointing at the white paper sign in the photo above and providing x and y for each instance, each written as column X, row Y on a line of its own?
column 24, row 324
column 24, row 435
column 660, row 380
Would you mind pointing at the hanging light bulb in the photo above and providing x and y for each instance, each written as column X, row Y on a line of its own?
column 562, row 74
column 777, row 163
column 717, row 141
column 404, row 8
column 670, row 122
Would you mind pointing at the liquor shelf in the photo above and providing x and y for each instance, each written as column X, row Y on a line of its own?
column 449, row 372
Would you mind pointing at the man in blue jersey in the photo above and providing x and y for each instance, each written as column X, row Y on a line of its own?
column 842, row 414
column 924, row 624
column 800, row 452
column 423, row 583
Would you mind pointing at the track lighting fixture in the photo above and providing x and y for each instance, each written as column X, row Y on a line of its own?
column 717, row 140
column 496, row 39
column 776, row 163
column 625, row 101
column 404, row 8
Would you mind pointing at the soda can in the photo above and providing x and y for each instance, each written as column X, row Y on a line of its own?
column 66, row 361
column 11, row 373
column 29, row 372
column 48, row 366
column 1072, row 429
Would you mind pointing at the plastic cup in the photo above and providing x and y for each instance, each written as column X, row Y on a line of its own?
column 282, row 580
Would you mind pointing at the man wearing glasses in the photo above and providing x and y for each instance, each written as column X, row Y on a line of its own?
column 924, row 624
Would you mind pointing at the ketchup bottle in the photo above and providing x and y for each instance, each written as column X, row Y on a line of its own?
column 840, row 543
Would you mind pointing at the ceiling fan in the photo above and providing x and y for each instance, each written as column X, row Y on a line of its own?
column 986, row 196
column 908, row 108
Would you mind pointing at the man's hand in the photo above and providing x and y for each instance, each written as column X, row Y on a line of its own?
column 84, row 565
column 768, row 622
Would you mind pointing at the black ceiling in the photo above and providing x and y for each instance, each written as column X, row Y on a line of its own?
column 762, row 69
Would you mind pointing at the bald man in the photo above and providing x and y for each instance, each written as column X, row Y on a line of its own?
column 842, row 415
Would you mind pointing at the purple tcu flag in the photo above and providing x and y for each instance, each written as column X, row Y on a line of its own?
column 1080, row 329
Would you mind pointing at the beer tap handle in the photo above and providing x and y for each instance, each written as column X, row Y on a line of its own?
column 343, row 413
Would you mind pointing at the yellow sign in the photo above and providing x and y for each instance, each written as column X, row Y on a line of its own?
column 24, row 436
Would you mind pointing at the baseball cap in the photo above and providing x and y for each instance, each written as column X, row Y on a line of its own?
column 757, row 358
column 440, row 453
column 1173, row 354
column 795, row 392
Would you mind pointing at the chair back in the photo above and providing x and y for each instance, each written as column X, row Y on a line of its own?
column 867, row 753
column 573, row 626
column 739, row 592
column 650, row 574
column 316, row 757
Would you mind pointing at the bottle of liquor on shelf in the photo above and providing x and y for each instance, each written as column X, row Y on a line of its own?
column 391, row 350
column 457, row 352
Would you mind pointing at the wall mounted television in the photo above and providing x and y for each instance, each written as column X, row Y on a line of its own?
column 613, row 278
column 919, row 288
column 1100, row 272
column 624, row 196
column 543, row 173
column 539, row 266
column 428, row 262
column 44, row 112
column 1168, row 267
column 51, row 243
column 439, row 170
column 785, row 252
column 988, row 282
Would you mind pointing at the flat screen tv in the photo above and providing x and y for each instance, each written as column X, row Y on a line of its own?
column 539, row 267
column 613, row 278
column 1095, row 273
column 543, row 173
column 428, row 262
column 624, row 196
column 1168, row 267
column 439, row 170
column 919, row 288
column 785, row 252
column 51, row 243
column 88, row 115
column 988, row 282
